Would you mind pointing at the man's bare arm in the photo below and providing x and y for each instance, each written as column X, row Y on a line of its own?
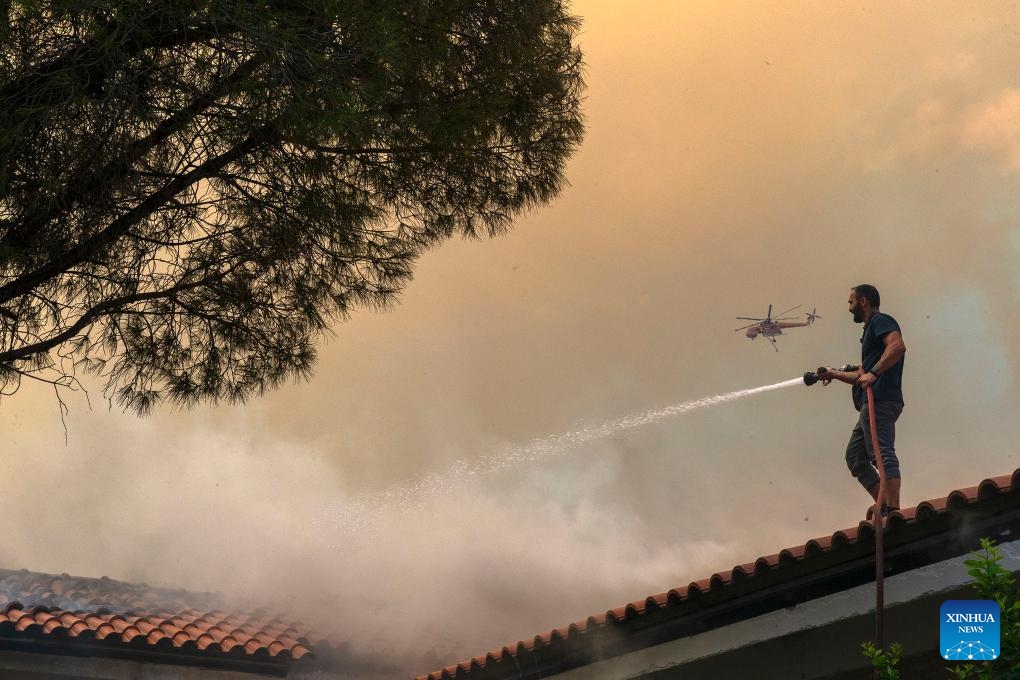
column 893, row 352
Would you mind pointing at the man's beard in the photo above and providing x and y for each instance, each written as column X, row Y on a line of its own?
column 858, row 315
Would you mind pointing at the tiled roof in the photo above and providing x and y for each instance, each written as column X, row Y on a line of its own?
column 934, row 530
column 102, row 617
column 77, row 592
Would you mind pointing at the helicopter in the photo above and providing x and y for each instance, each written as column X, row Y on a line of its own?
column 770, row 328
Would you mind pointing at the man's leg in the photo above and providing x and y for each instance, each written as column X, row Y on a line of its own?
column 857, row 460
column 873, row 490
column 886, row 415
column 892, row 492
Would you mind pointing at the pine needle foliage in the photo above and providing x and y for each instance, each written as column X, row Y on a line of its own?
column 193, row 191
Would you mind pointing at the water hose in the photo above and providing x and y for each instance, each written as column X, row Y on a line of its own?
column 810, row 378
column 879, row 543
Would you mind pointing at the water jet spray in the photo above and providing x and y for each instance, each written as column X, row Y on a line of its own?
column 464, row 472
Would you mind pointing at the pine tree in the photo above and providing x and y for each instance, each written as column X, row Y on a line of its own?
column 193, row 191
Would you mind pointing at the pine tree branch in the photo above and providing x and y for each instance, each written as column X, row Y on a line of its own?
column 86, row 188
column 92, row 246
column 108, row 307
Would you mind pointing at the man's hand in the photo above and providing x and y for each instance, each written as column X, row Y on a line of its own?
column 830, row 374
column 867, row 380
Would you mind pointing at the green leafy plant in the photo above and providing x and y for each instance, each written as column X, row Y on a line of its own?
column 884, row 661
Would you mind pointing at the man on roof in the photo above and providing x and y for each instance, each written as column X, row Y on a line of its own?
column 881, row 369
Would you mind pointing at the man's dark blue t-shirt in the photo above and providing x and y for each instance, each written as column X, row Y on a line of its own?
column 889, row 386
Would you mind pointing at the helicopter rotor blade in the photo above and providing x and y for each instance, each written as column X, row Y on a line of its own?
column 749, row 318
column 743, row 327
column 789, row 310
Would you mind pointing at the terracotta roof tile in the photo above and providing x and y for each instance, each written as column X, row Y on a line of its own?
column 741, row 576
column 104, row 631
column 103, row 611
column 155, row 636
column 659, row 600
column 205, row 640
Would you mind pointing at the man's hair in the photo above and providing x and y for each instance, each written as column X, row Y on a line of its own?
column 869, row 293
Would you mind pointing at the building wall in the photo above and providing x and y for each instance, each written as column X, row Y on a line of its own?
column 30, row 666
column 833, row 651
column 815, row 640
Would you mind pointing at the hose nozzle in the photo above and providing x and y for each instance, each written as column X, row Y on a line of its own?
column 811, row 377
